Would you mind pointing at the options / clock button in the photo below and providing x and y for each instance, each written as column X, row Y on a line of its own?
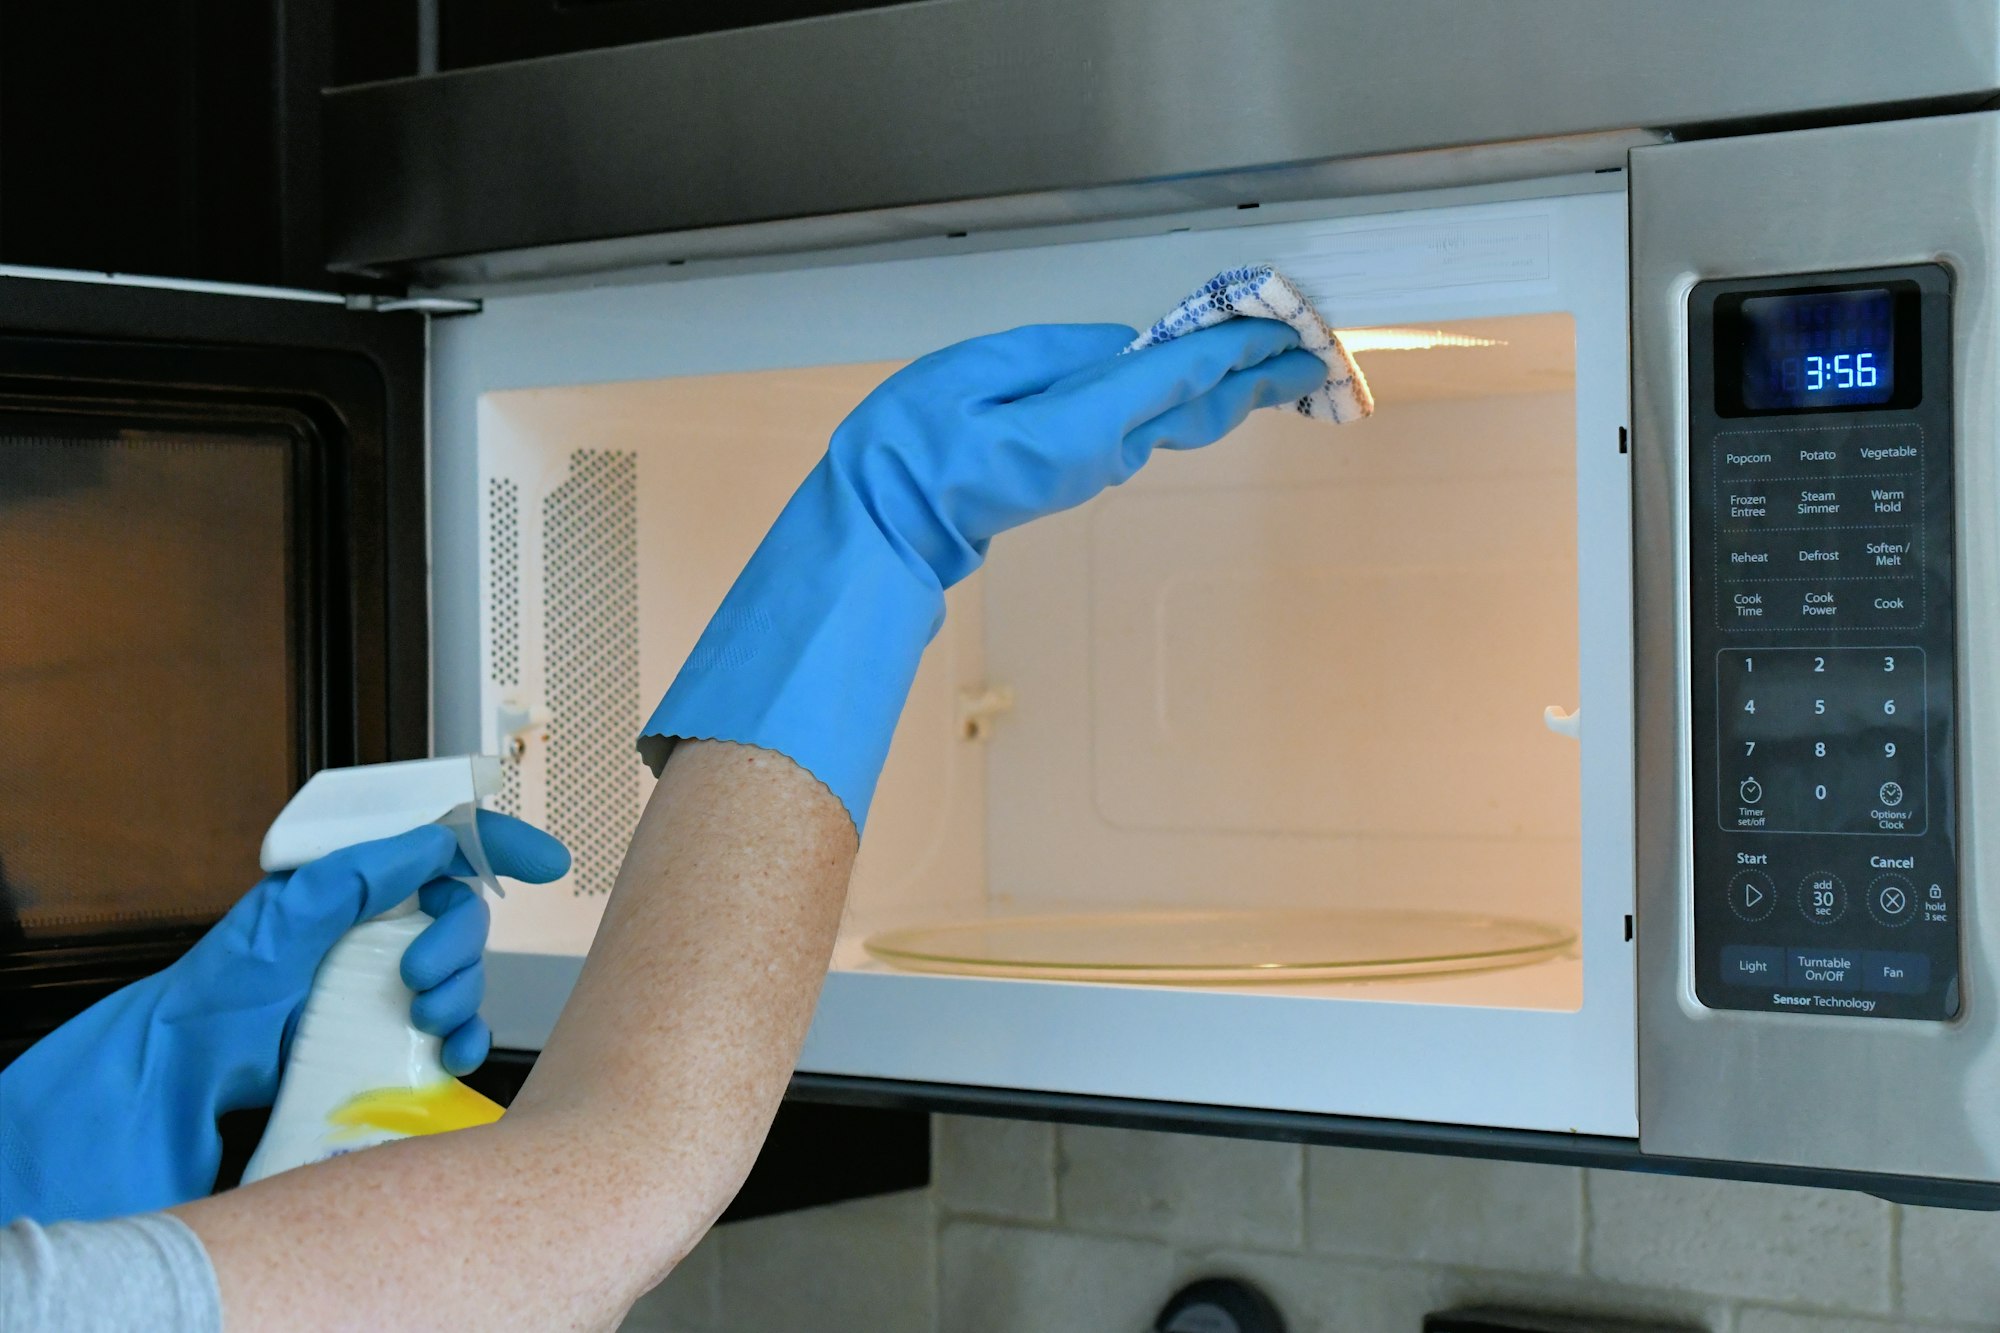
column 1752, row 895
column 1822, row 898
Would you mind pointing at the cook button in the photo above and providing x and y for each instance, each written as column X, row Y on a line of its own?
column 1752, row 965
column 1895, row 973
column 1822, row 969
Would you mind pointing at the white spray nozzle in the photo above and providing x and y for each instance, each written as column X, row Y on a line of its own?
column 339, row 807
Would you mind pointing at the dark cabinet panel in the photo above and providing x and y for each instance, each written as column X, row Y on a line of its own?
column 180, row 138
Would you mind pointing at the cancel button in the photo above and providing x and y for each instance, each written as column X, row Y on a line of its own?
column 1822, row 969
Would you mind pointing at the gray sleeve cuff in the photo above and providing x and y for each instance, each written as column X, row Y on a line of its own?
column 85, row 1277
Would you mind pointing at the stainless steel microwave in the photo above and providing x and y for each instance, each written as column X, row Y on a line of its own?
column 1631, row 681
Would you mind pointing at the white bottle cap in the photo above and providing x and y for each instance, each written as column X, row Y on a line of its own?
column 339, row 807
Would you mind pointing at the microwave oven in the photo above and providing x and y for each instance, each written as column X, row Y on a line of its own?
column 1623, row 617
column 1482, row 660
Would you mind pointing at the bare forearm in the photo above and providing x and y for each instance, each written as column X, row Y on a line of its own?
column 640, row 1119
column 688, row 1017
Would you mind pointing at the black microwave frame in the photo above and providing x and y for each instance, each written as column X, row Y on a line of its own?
column 351, row 382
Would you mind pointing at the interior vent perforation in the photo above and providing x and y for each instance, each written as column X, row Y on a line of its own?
column 591, row 647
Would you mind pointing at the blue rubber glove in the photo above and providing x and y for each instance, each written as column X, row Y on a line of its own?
column 812, row 652
column 114, row 1112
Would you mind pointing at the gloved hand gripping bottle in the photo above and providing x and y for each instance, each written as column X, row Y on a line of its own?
column 359, row 1072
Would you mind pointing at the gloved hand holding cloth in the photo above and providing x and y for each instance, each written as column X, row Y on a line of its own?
column 813, row 651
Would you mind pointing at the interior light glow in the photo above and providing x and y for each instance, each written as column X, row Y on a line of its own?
column 1395, row 339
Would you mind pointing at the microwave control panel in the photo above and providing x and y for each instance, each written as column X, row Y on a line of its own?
column 1821, row 607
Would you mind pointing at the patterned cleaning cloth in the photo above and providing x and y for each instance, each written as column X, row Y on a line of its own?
column 1261, row 292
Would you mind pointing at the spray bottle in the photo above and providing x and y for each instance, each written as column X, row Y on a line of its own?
column 359, row 1072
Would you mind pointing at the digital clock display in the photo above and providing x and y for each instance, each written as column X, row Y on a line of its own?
column 1806, row 351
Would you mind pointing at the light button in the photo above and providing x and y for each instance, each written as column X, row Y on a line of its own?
column 1752, row 965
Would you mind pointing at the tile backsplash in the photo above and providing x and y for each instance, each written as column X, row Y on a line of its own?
column 1031, row 1228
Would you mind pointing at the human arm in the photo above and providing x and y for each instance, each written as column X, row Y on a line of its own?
column 637, row 1124
column 115, row 1112
column 659, row 1081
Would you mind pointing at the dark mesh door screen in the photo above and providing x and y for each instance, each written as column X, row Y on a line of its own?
column 149, row 680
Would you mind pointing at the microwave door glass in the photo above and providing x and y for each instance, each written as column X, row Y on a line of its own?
column 148, row 674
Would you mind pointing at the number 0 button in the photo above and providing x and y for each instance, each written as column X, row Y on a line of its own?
column 1822, row 899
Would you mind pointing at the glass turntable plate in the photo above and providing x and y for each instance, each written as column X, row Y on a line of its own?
column 1234, row 947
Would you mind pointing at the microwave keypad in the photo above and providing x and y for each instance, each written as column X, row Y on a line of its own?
column 1823, row 649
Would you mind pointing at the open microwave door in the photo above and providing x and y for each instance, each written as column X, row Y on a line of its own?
column 212, row 523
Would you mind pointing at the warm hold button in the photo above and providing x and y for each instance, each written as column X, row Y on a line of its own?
column 1823, row 969
column 1895, row 973
column 1752, row 965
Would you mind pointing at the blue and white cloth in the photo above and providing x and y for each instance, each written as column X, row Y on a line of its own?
column 1261, row 292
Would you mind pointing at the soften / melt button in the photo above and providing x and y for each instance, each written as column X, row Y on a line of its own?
column 1752, row 965
column 1895, row 973
column 1823, row 969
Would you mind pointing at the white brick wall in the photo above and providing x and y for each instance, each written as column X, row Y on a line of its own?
column 1032, row 1229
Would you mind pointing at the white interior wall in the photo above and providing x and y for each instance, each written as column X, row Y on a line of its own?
column 1289, row 670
